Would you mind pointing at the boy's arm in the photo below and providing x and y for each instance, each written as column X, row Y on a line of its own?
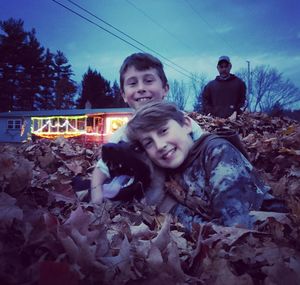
column 235, row 187
column 98, row 178
column 100, row 173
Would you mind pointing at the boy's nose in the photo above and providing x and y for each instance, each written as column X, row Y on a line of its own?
column 141, row 87
column 160, row 144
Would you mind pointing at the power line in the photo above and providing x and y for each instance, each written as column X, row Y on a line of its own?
column 159, row 25
column 187, row 74
column 125, row 34
column 208, row 24
column 81, row 16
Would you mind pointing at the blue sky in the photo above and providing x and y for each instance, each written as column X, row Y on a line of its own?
column 190, row 33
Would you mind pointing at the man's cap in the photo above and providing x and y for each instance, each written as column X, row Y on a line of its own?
column 224, row 58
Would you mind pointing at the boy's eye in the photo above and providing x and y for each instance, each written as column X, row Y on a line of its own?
column 163, row 130
column 149, row 79
column 147, row 144
column 131, row 82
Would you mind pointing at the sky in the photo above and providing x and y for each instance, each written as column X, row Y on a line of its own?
column 187, row 35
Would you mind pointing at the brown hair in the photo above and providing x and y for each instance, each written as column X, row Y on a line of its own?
column 142, row 61
column 151, row 117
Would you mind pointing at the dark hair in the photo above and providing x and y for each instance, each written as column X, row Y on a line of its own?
column 142, row 61
column 151, row 117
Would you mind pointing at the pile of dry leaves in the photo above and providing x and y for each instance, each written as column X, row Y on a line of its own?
column 50, row 236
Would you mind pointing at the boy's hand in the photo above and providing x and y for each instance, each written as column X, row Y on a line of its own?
column 96, row 195
column 98, row 179
column 236, row 214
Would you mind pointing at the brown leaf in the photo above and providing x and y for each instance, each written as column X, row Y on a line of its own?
column 163, row 237
column 141, row 231
column 7, row 165
column 74, row 166
column 282, row 273
column 8, row 209
column 154, row 259
column 21, row 177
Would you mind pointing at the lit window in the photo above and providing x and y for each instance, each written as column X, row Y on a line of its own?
column 114, row 123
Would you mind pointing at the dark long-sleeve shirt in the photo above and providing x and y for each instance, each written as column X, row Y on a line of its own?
column 221, row 97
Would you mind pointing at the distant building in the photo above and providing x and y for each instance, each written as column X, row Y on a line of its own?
column 90, row 124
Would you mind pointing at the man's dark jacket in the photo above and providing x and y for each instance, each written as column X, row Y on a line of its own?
column 221, row 97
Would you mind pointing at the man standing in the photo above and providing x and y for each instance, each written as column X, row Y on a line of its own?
column 226, row 95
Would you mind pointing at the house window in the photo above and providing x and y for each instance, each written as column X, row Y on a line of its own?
column 14, row 124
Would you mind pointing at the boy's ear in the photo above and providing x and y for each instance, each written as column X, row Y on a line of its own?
column 123, row 96
column 188, row 124
column 166, row 90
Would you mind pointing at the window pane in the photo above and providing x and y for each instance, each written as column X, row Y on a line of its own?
column 18, row 124
column 10, row 124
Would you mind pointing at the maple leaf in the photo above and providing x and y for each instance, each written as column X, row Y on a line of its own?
column 141, row 231
column 8, row 209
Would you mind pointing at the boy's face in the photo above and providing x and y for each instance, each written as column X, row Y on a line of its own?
column 169, row 145
column 142, row 86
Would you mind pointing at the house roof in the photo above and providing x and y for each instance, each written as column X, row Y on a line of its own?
column 71, row 112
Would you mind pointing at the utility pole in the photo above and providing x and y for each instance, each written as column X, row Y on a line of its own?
column 248, row 78
column 249, row 83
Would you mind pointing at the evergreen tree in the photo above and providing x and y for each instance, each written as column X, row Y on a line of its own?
column 45, row 100
column 95, row 89
column 31, row 78
column 65, row 88
column 118, row 101
column 65, row 91
column 11, row 52
column 30, row 83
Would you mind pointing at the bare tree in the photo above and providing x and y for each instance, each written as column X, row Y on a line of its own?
column 177, row 94
column 269, row 89
column 243, row 74
column 285, row 95
column 197, row 84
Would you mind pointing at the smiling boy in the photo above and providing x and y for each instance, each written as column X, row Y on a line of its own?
column 142, row 80
column 217, row 175
column 167, row 142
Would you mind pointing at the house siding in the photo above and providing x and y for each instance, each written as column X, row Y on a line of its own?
column 14, row 135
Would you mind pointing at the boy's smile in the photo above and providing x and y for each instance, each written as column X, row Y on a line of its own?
column 142, row 86
column 168, row 146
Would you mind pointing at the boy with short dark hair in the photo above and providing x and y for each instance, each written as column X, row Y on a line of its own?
column 142, row 79
column 218, row 176
column 141, row 62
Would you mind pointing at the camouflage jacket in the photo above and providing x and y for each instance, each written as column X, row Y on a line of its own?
column 217, row 183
